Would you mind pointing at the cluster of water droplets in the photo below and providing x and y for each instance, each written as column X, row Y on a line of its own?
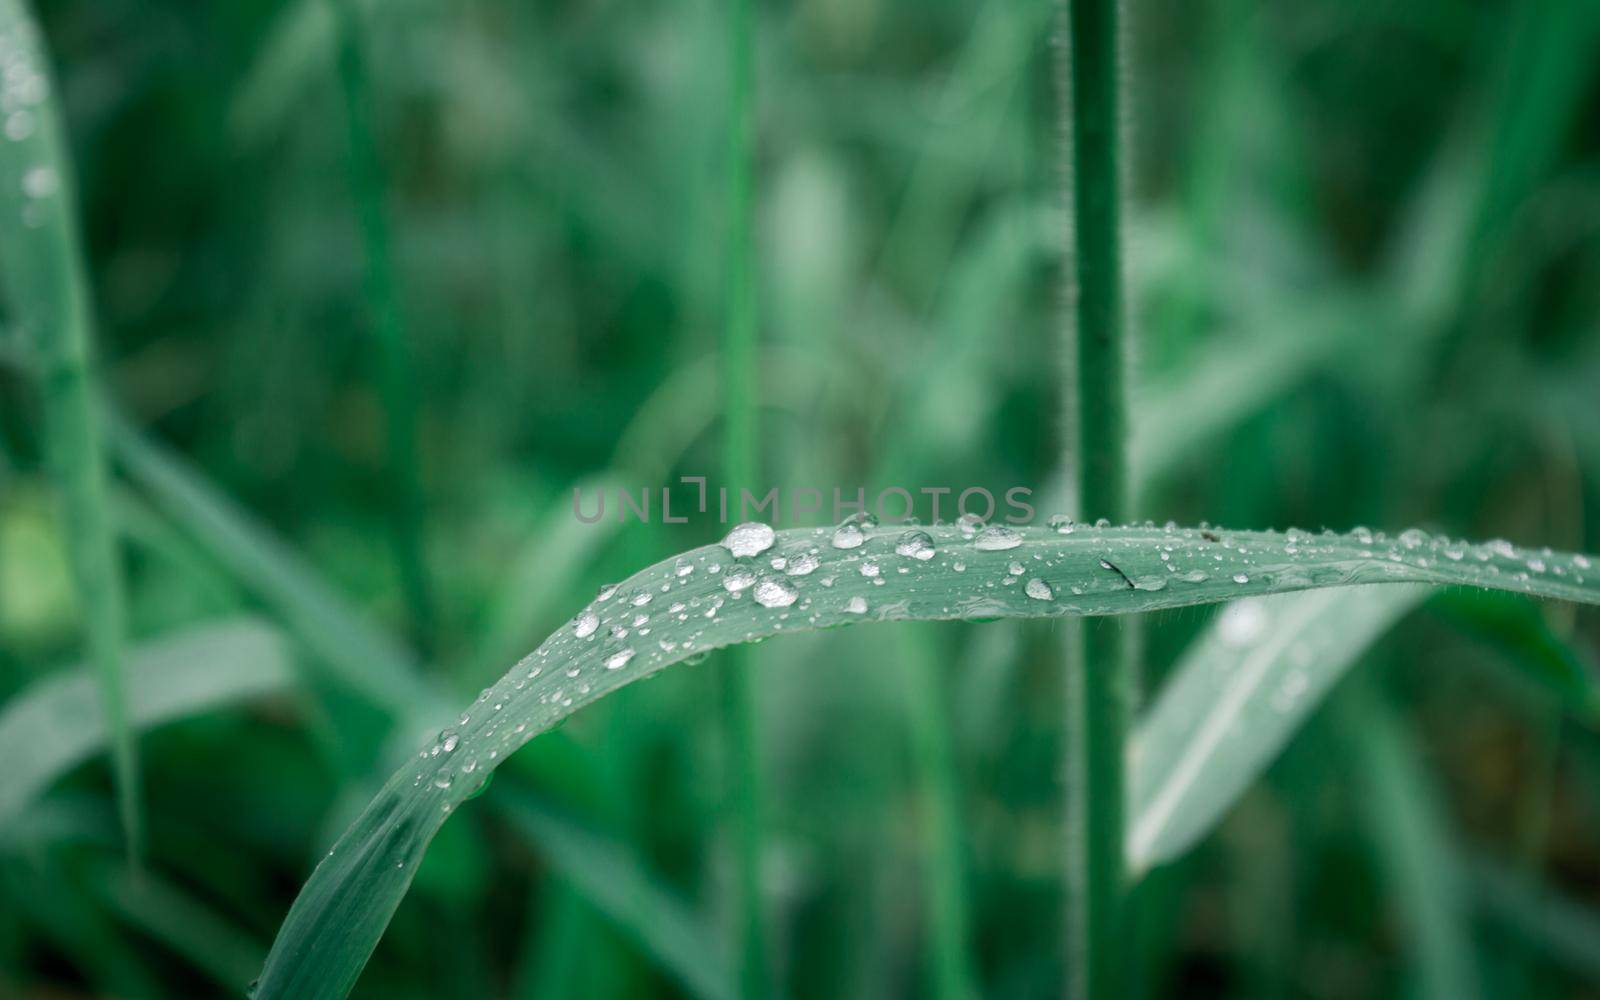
column 24, row 88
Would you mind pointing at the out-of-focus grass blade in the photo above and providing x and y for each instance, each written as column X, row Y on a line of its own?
column 1235, row 700
column 1565, row 929
column 615, row 883
column 805, row 579
column 540, row 574
column 298, row 47
column 42, row 266
column 57, row 723
column 186, row 925
column 365, row 657
column 1518, row 626
column 1414, row 849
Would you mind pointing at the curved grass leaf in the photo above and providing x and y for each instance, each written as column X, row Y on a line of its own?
column 48, row 292
column 706, row 599
column 1235, row 699
column 58, row 722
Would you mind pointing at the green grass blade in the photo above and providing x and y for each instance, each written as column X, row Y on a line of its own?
column 363, row 655
column 1562, row 927
column 49, row 295
column 741, row 383
column 49, row 728
column 188, row 926
column 618, row 886
column 397, row 380
column 1414, row 850
column 1235, row 700
column 1101, row 680
column 344, row 907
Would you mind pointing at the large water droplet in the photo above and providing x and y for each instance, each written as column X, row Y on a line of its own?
column 1039, row 590
column 915, row 545
column 584, row 625
column 619, row 659
column 997, row 538
column 749, row 539
column 848, row 536
column 775, row 594
column 803, row 565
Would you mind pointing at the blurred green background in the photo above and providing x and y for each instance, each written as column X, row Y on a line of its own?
column 383, row 283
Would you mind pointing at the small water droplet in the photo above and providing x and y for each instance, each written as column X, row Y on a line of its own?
column 1039, row 590
column 1241, row 578
column 848, row 536
column 869, row 568
column 803, row 565
column 969, row 524
column 738, row 580
column 856, row 605
column 1061, row 524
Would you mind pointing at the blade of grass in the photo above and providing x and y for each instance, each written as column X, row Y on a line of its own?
column 397, row 381
column 365, row 657
column 55, row 724
column 617, row 885
column 1235, row 699
column 190, row 928
column 344, row 907
column 740, row 384
column 1100, row 685
column 1414, row 849
column 49, row 295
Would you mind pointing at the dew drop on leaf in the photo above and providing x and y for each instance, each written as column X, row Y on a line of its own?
column 749, row 539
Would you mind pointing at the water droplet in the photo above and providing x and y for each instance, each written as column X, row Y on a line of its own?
column 772, row 593
column 584, row 625
column 856, row 605
column 1039, row 590
column 803, row 565
column 619, row 659
column 442, row 781
column 738, row 580
column 1241, row 578
column 1241, row 622
column 1061, row 524
column 450, row 743
column 996, row 538
column 848, row 536
column 19, row 125
column 869, row 568
column 1015, row 569
column 969, row 524
column 606, row 592
column 749, row 539
column 39, row 182
column 915, row 545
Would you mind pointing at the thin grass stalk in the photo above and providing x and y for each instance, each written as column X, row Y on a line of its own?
column 950, row 962
column 741, row 432
column 1099, row 685
column 396, row 377
column 48, row 293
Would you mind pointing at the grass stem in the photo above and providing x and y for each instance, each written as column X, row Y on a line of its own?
column 397, row 378
column 741, row 432
column 49, row 296
column 1100, row 683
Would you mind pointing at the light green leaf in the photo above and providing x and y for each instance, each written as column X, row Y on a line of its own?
column 1234, row 701
column 57, row 723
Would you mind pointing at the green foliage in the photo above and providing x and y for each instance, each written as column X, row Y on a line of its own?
column 375, row 287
